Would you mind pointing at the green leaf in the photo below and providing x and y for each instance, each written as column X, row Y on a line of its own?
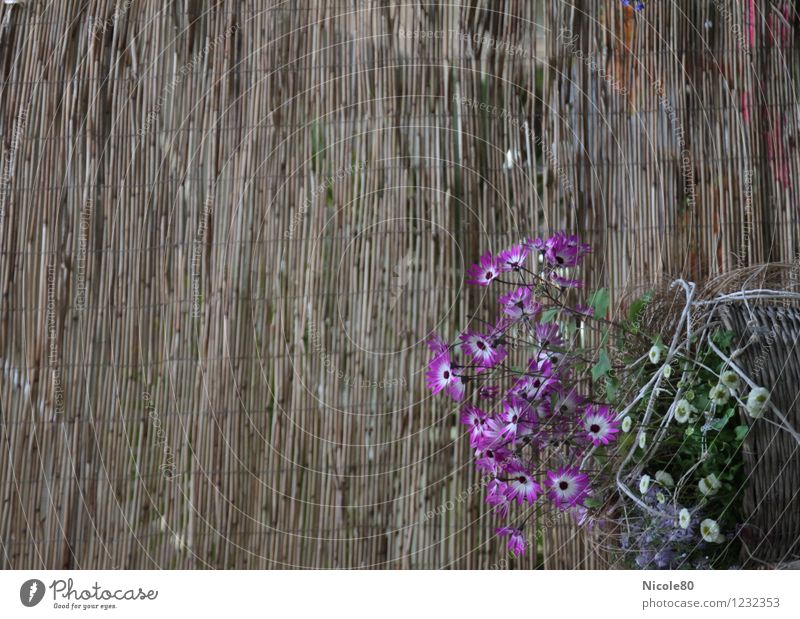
column 593, row 502
column 604, row 336
column 599, row 300
column 722, row 338
column 722, row 422
column 701, row 402
column 612, row 387
column 548, row 315
column 741, row 432
column 602, row 367
column 637, row 307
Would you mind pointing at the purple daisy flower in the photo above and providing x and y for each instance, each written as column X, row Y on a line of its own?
column 549, row 382
column 541, row 365
column 457, row 388
column 567, row 486
column 565, row 282
column 521, row 484
column 442, row 377
column 519, row 303
column 535, row 386
column 495, row 434
column 536, row 244
column 540, row 409
column 436, row 343
column 488, row 392
column 525, row 389
column 497, row 497
column 491, row 460
column 472, row 416
column 564, row 251
column 481, row 349
column 514, row 420
column 440, row 372
column 475, row 420
column 513, row 258
column 548, row 334
column 516, row 541
column 485, row 272
column 568, row 404
column 600, row 424
column 553, row 357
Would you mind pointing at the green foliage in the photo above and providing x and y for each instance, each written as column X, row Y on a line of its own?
column 599, row 301
column 741, row 432
column 593, row 503
column 719, row 424
column 722, row 338
column 548, row 315
column 602, row 367
column 636, row 309
column 698, row 450
column 612, row 387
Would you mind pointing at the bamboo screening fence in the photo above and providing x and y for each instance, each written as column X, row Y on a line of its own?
column 227, row 227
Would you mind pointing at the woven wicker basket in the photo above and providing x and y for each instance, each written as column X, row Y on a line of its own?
column 772, row 455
